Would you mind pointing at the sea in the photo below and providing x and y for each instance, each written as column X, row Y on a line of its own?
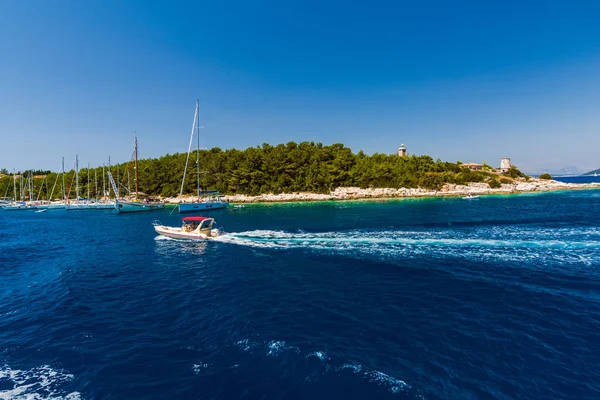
column 496, row 297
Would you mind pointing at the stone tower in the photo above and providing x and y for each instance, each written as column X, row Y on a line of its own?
column 505, row 164
column 402, row 151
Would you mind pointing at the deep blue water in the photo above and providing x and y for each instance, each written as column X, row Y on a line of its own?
column 578, row 179
column 492, row 298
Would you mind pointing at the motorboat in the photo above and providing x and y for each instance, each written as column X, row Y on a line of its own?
column 470, row 196
column 192, row 228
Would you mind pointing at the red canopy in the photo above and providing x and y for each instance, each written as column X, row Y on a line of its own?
column 194, row 218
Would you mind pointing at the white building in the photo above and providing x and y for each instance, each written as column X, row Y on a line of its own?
column 505, row 164
column 402, row 151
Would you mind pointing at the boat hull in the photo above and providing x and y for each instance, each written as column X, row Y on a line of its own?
column 78, row 207
column 104, row 206
column 202, row 206
column 134, row 206
column 18, row 208
column 178, row 233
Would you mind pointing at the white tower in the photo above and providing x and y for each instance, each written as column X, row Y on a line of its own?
column 402, row 151
column 505, row 164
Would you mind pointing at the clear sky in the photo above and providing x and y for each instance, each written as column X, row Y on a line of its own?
column 460, row 80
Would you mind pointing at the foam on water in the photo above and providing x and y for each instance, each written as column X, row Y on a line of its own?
column 40, row 383
column 161, row 237
column 572, row 245
column 319, row 354
column 273, row 352
column 276, row 347
column 197, row 368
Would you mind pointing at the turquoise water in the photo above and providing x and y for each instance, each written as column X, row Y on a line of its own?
column 495, row 297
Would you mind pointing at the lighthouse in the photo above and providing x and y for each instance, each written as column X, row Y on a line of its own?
column 402, row 151
column 505, row 164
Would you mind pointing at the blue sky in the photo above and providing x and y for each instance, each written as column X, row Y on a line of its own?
column 459, row 80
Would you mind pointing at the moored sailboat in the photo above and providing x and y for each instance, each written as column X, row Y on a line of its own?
column 134, row 205
column 205, row 200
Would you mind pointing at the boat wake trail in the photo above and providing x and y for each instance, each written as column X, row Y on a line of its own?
column 511, row 243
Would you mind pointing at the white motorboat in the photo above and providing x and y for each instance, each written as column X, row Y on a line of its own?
column 192, row 228
column 470, row 196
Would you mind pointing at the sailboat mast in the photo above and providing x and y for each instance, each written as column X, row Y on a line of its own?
column 88, row 174
column 77, row 177
column 187, row 158
column 103, row 183
column 40, row 191
column 109, row 172
column 15, row 183
column 128, row 183
column 136, row 164
column 198, row 146
column 96, row 184
column 63, row 180
column 30, row 185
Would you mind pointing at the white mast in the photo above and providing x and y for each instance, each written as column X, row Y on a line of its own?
column 96, row 183
column 30, row 185
column 88, row 185
column 77, row 177
column 135, row 166
column 41, row 187
column 189, row 150
column 53, row 187
column 15, row 184
column 63, row 180
column 103, row 183
column 198, row 149
column 109, row 173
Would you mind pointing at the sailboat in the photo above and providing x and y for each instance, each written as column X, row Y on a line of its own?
column 78, row 205
column 136, row 205
column 206, row 199
column 103, row 204
column 16, row 205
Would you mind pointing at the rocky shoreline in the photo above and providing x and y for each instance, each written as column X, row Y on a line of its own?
column 448, row 190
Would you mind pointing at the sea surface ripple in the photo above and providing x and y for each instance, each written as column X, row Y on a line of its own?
column 491, row 298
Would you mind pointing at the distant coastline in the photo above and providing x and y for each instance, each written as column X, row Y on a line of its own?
column 448, row 190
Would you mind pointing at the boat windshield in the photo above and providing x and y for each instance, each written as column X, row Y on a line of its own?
column 192, row 225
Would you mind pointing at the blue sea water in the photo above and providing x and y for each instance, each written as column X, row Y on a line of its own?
column 491, row 298
column 578, row 179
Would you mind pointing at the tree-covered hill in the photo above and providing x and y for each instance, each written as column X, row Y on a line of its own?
column 594, row 172
column 291, row 167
